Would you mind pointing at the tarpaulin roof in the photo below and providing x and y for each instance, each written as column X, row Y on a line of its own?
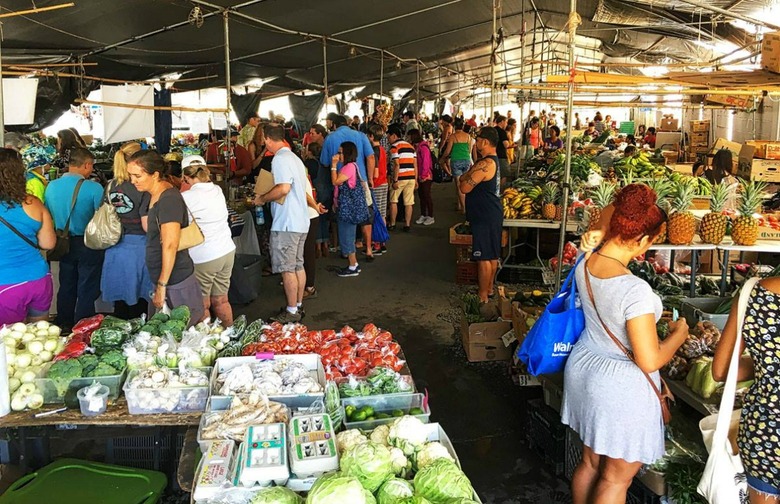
column 278, row 44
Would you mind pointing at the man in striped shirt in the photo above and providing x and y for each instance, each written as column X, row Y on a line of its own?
column 404, row 176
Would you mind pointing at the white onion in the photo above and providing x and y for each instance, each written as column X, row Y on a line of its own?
column 36, row 361
column 54, row 330
column 23, row 360
column 46, row 356
column 28, row 377
column 5, row 331
column 13, row 384
column 27, row 389
column 27, row 337
column 16, row 335
column 50, row 345
column 19, row 327
column 35, row 401
column 42, row 324
column 35, row 347
column 18, row 402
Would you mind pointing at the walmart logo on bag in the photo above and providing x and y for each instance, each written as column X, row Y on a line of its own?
column 561, row 349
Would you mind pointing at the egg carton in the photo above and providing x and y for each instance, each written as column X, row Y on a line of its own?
column 215, row 471
column 312, row 445
column 264, row 456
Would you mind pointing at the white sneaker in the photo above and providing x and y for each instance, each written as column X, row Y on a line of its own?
column 428, row 221
column 421, row 220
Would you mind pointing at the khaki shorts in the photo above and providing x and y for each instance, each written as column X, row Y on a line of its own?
column 405, row 188
column 214, row 276
column 287, row 251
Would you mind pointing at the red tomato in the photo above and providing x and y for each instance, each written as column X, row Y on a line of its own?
column 394, row 347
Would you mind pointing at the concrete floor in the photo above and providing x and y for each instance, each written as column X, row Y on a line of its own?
column 410, row 291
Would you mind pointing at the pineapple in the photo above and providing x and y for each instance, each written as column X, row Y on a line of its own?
column 681, row 226
column 744, row 230
column 713, row 225
column 550, row 193
column 602, row 196
column 662, row 188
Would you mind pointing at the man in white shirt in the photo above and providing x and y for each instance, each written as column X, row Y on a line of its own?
column 290, row 223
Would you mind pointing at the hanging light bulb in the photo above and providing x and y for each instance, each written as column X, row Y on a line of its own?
column 398, row 65
column 352, row 51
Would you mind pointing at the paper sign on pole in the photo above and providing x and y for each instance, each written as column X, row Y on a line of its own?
column 121, row 124
column 19, row 97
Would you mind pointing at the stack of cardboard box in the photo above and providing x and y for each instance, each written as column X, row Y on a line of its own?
column 698, row 140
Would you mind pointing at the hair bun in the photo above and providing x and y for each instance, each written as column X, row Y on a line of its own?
column 636, row 213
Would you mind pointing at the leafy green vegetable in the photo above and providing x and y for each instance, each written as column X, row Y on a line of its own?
column 181, row 313
column 393, row 491
column 442, row 481
column 415, row 499
column 115, row 359
column 338, row 488
column 88, row 363
column 276, row 495
column 111, row 322
column 159, row 316
column 62, row 372
column 682, row 478
column 102, row 369
column 369, row 462
column 174, row 327
column 105, row 339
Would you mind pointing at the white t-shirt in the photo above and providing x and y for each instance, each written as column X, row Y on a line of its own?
column 291, row 217
column 207, row 204
column 313, row 214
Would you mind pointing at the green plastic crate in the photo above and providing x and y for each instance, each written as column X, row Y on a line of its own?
column 73, row 481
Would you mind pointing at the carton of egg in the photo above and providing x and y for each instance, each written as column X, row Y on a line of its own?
column 312, row 445
column 216, row 470
column 264, row 456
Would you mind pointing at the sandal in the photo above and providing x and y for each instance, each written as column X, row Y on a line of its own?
column 310, row 293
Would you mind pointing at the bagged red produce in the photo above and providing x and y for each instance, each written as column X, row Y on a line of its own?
column 72, row 350
column 88, row 325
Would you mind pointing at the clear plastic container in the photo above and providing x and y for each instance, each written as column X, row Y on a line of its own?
column 145, row 401
column 393, row 406
column 54, row 392
column 93, row 405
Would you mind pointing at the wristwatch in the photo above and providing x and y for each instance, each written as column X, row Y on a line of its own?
column 162, row 284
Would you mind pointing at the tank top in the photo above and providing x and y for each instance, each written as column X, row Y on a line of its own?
column 461, row 151
column 20, row 262
column 483, row 203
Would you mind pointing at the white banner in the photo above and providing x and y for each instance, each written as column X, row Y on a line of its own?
column 121, row 124
column 19, row 101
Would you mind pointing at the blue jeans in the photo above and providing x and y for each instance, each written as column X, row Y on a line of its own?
column 80, row 272
column 347, row 235
column 762, row 487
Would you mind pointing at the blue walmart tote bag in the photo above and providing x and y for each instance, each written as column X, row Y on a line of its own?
column 551, row 339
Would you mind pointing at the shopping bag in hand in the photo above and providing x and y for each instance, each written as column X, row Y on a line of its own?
column 551, row 339
column 379, row 233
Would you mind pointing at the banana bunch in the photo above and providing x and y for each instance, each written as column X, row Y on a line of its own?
column 641, row 166
column 702, row 186
column 517, row 205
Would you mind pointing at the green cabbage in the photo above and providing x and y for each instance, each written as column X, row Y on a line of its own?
column 394, row 491
column 415, row 500
column 276, row 495
column 442, row 481
column 338, row 488
column 370, row 463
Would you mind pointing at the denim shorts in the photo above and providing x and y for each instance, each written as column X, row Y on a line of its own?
column 460, row 166
column 347, row 237
column 762, row 487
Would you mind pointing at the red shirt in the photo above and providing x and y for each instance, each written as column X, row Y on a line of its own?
column 240, row 162
column 472, row 123
column 380, row 171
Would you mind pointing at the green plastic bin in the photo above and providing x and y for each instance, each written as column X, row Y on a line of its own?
column 73, row 481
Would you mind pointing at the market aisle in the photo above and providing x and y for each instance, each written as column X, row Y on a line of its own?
column 406, row 291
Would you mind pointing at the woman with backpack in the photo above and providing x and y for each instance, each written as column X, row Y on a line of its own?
column 424, row 176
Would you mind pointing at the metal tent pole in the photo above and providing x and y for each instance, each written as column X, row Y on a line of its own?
column 574, row 20
column 2, row 115
column 226, row 25
column 417, row 87
column 381, row 75
column 325, row 67
column 493, row 50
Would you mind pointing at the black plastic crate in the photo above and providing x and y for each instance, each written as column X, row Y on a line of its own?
column 546, row 435
column 638, row 493
column 148, row 449
column 573, row 453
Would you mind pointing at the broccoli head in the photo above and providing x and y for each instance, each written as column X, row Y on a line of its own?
column 88, row 363
column 162, row 317
column 103, row 369
column 62, row 372
column 173, row 327
column 114, row 358
column 181, row 313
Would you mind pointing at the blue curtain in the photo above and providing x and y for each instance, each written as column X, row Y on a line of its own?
column 163, row 122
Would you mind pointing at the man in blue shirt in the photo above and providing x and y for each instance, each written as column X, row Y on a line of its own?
column 365, row 161
column 81, row 267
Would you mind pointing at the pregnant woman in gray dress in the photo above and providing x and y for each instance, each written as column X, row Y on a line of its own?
column 607, row 399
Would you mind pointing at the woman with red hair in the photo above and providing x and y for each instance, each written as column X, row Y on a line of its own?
column 608, row 400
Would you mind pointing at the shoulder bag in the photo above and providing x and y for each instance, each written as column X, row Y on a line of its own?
column 352, row 205
column 190, row 235
column 551, row 339
column 664, row 395
column 62, row 245
column 105, row 228
column 723, row 481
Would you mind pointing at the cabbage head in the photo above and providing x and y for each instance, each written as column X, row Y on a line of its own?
column 338, row 488
column 442, row 481
column 276, row 495
column 394, row 491
column 415, row 500
column 370, row 463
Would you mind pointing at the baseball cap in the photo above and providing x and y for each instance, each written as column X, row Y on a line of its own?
column 332, row 116
column 193, row 160
column 490, row 134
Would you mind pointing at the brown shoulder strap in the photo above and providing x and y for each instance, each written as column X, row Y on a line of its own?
column 620, row 345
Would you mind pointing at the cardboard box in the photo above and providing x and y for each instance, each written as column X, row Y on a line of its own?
column 264, row 183
column 466, row 239
column 668, row 124
column 770, row 52
column 482, row 341
column 722, row 143
column 767, row 170
column 700, row 126
column 519, row 322
column 699, row 139
column 765, row 149
column 741, row 102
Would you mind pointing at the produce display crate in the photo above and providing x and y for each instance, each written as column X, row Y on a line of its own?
column 767, row 170
column 72, row 481
column 699, row 138
column 404, row 377
column 189, row 399
column 573, row 453
column 150, row 448
column 51, row 393
column 546, row 435
column 312, row 362
column 219, row 403
column 462, row 253
column 696, row 309
column 552, row 388
column 466, row 273
column 700, row 126
column 385, row 404
column 466, row 239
